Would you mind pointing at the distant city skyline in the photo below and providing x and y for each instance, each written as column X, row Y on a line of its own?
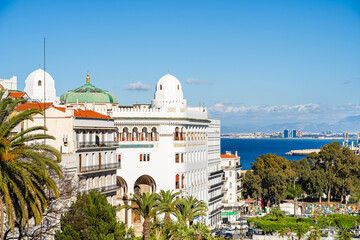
column 252, row 63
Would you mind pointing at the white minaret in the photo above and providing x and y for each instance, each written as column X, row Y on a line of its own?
column 34, row 86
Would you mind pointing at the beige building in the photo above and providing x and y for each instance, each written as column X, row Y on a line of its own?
column 86, row 141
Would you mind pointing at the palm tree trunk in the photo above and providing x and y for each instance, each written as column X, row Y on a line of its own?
column 167, row 218
column 2, row 219
column 146, row 228
column 328, row 195
column 294, row 206
column 320, row 199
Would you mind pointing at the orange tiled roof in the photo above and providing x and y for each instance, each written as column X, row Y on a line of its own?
column 60, row 108
column 26, row 106
column 16, row 94
column 228, row 156
column 89, row 114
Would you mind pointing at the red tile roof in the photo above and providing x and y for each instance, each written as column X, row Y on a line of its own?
column 78, row 113
column 26, row 106
column 228, row 156
column 89, row 114
column 16, row 94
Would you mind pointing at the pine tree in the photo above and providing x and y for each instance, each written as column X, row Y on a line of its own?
column 90, row 217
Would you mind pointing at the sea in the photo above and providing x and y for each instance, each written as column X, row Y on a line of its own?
column 250, row 149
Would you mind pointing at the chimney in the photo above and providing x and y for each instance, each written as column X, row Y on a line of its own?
column 70, row 111
column 236, row 153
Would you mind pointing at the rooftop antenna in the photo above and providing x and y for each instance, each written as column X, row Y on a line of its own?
column 44, row 94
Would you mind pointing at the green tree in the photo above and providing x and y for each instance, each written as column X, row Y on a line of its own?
column 337, row 162
column 167, row 203
column 25, row 181
column 275, row 173
column 90, row 217
column 189, row 208
column 301, row 228
column 344, row 234
column 146, row 206
column 317, row 183
column 314, row 234
column 276, row 213
column 295, row 191
column 251, row 184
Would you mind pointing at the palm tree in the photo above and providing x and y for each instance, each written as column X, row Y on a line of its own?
column 146, row 206
column 189, row 208
column 276, row 213
column 168, row 203
column 344, row 234
column 295, row 191
column 24, row 167
column 314, row 233
column 201, row 231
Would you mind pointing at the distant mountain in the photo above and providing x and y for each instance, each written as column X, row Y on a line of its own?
column 350, row 124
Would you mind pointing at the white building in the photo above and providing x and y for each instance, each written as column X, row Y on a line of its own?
column 164, row 145
column 231, row 166
column 8, row 84
column 215, row 173
column 34, row 86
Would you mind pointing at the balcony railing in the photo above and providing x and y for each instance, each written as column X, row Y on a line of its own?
column 224, row 179
column 237, row 166
column 93, row 168
column 104, row 189
column 238, row 189
column 96, row 144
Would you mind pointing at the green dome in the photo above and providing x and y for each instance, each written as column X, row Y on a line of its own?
column 88, row 94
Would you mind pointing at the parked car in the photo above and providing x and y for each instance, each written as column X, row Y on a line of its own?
column 218, row 234
column 228, row 235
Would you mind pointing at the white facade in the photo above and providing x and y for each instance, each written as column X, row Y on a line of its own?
column 215, row 173
column 164, row 145
column 34, row 86
column 9, row 84
column 232, row 185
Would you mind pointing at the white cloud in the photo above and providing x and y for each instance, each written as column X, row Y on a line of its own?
column 138, row 86
column 197, row 81
column 222, row 108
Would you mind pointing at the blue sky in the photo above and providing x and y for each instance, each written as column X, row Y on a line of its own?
column 250, row 62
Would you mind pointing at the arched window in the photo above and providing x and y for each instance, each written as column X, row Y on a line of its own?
column 144, row 134
column 177, row 134
column 125, row 134
column 160, row 87
column 182, row 181
column 39, row 83
column 178, row 87
column 154, row 135
column 182, row 134
column 177, row 184
column 135, row 134
column 230, row 185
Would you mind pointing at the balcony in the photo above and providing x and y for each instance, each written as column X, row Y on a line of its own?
column 238, row 178
column 238, row 189
column 96, row 168
column 104, row 189
column 210, row 186
column 224, row 179
column 224, row 190
column 97, row 144
column 236, row 167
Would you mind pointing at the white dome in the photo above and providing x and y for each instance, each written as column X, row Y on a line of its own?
column 168, row 92
column 168, row 88
column 34, row 86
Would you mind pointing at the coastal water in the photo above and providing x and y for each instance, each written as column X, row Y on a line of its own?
column 249, row 149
